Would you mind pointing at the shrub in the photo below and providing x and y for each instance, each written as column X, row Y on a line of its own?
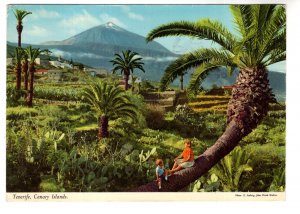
column 20, row 113
column 264, row 160
column 14, row 97
column 187, row 122
column 155, row 116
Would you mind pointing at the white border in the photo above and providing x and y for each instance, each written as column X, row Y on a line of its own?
column 293, row 181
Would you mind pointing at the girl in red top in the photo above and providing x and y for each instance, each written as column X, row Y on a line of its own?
column 185, row 159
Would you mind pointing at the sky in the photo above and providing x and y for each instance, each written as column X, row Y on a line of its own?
column 43, row 24
column 59, row 22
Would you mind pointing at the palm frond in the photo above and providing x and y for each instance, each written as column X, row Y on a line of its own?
column 240, row 170
column 202, row 29
column 192, row 60
column 199, row 75
column 20, row 14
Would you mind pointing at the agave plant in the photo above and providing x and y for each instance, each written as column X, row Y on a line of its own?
column 230, row 169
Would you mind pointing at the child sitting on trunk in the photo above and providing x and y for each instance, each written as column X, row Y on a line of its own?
column 185, row 159
column 160, row 172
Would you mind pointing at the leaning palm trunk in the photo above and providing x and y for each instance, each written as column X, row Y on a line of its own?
column 250, row 98
column 30, row 91
column 247, row 107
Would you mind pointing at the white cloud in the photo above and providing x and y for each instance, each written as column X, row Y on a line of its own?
column 160, row 59
column 135, row 16
column 126, row 9
column 36, row 31
column 107, row 18
column 66, row 54
column 80, row 21
column 57, row 53
column 44, row 14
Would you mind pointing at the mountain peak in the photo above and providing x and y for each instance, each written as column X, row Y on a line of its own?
column 111, row 25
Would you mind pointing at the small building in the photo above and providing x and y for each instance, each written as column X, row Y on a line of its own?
column 41, row 71
column 42, row 62
column 56, row 75
column 227, row 89
column 96, row 71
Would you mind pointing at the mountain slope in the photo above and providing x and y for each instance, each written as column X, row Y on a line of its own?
column 110, row 34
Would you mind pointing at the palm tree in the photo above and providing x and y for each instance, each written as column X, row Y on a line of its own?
column 32, row 54
column 110, row 102
column 18, row 58
column 20, row 15
column 25, row 69
column 261, row 41
column 126, row 64
column 230, row 169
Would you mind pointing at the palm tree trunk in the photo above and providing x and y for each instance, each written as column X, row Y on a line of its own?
column 18, row 76
column 103, row 129
column 25, row 73
column 19, row 30
column 126, row 78
column 207, row 160
column 250, row 99
column 181, row 82
column 247, row 107
column 30, row 91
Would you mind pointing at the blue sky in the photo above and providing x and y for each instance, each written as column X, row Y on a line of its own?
column 59, row 22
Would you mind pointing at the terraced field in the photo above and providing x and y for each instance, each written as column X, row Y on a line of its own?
column 204, row 103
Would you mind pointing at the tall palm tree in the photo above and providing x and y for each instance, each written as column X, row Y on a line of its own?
column 260, row 41
column 110, row 102
column 32, row 54
column 18, row 59
column 25, row 69
column 126, row 64
column 230, row 169
column 20, row 15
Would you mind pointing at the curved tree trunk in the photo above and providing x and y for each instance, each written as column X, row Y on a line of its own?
column 247, row 107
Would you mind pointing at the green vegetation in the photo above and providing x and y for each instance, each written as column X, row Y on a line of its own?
column 54, row 145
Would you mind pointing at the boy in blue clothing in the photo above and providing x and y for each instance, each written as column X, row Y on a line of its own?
column 160, row 172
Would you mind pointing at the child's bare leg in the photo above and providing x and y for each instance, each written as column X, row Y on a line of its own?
column 175, row 169
column 175, row 165
column 159, row 183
